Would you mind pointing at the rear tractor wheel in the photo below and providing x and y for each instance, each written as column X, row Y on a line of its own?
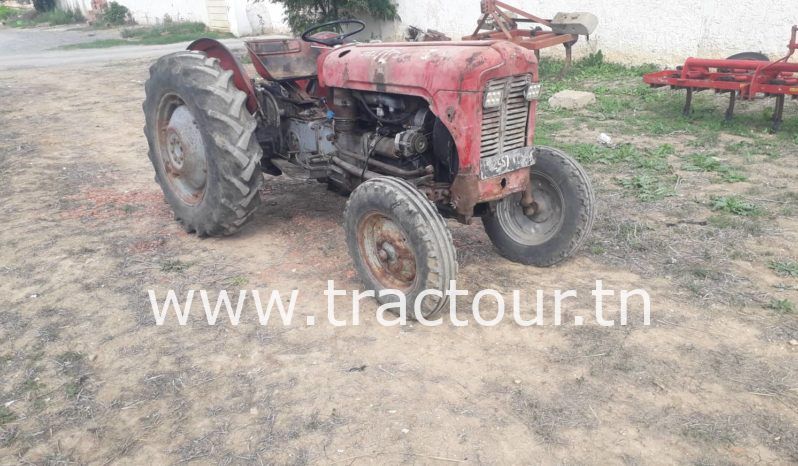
column 398, row 240
column 559, row 219
column 202, row 143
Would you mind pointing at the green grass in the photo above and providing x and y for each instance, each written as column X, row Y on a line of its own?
column 57, row 17
column 29, row 18
column 786, row 268
column 164, row 29
column 31, row 385
column 168, row 33
column 175, row 265
column 97, row 44
column 237, row 281
column 700, row 162
column 654, row 159
column 650, row 176
column 647, row 188
column 622, row 96
column 633, row 113
column 8, row 12
column 735, row 205
column 781, row 306
column 591, row 67
column 6, row 415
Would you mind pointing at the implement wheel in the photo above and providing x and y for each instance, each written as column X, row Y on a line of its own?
column 202, row 144
column 398, row 240
column 558, row 222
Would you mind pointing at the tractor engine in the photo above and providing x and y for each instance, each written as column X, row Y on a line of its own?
column 353, row 135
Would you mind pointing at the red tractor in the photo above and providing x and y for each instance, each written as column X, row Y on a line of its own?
column 412, row 132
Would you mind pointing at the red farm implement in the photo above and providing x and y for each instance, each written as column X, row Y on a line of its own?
column 500, row 21
column 747, row 76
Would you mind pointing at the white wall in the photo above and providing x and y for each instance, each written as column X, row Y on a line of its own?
column 246, row 17
column 255, row 18
column 664, row 32
column 640, row 30
column 151, row 11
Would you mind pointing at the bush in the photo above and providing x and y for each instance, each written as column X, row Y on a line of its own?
column 29, row 18
column 44, row 5
column 116, row 15
column 7, row 12
column 302, row 14
column 58, row 17
column 165, row 29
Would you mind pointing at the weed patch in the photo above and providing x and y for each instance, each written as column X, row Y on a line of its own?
column 735, row 205
column 6, row 415
column 784, row 268
column 781, row 306
column 647, row 188
column 701, row 162
column 28, row 18
column 175, row 265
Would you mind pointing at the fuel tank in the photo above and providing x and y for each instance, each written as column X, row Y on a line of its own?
column 423, row 68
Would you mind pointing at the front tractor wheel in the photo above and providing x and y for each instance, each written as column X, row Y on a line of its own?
column 398, row 240
column 202, row 143
column 558, row 221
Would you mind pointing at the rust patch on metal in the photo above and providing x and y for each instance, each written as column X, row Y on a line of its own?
column 386, row 251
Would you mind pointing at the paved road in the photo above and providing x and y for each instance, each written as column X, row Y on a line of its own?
column 18, row 41
column 32, row 48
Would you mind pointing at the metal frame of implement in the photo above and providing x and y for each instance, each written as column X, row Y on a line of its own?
column 740, row 78
column 533, row 39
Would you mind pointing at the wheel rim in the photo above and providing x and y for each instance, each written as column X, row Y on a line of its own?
column 182, row 150
column 541, row 225
column 386, row 252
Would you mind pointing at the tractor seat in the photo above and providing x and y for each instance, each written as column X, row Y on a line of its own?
column 284, row 59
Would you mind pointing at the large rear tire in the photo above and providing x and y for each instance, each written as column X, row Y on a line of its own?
column 398, row 240
column 202, row 143
column 563, row 216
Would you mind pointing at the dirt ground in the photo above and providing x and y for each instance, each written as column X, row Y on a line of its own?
column 87, row 377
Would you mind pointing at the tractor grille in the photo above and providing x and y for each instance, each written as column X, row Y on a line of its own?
column 504, row 127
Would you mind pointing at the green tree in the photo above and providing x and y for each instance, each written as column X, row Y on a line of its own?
column 302, row 14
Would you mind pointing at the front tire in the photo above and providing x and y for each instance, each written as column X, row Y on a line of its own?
column 398, row 240
column 202, row 143
column 562, row 218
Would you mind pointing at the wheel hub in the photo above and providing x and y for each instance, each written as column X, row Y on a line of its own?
column 387, row 252
column 183, row 153
column 540, row 219
column 175, row 149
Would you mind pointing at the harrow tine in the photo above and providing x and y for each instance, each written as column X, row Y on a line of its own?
column 778, row 113
column 732, row 101
column 567, row 64
column 688, row 104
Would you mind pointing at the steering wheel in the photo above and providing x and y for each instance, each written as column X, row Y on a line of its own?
column 334, row 40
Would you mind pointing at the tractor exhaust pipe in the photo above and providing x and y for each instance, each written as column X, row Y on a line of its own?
column 384, row 167
column 353, row 170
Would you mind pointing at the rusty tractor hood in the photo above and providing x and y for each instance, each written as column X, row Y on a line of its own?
column 423, row 68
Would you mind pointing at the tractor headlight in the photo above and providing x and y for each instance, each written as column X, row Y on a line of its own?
column 493, row 98
column 532, row 91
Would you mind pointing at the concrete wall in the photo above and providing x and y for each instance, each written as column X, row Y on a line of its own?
column 246, row 17
column 151, row 11
column 255, row 18
column 638, row 30
column 629, row 30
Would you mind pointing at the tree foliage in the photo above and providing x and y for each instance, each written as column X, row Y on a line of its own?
column 116, row 15
column 302, row 14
